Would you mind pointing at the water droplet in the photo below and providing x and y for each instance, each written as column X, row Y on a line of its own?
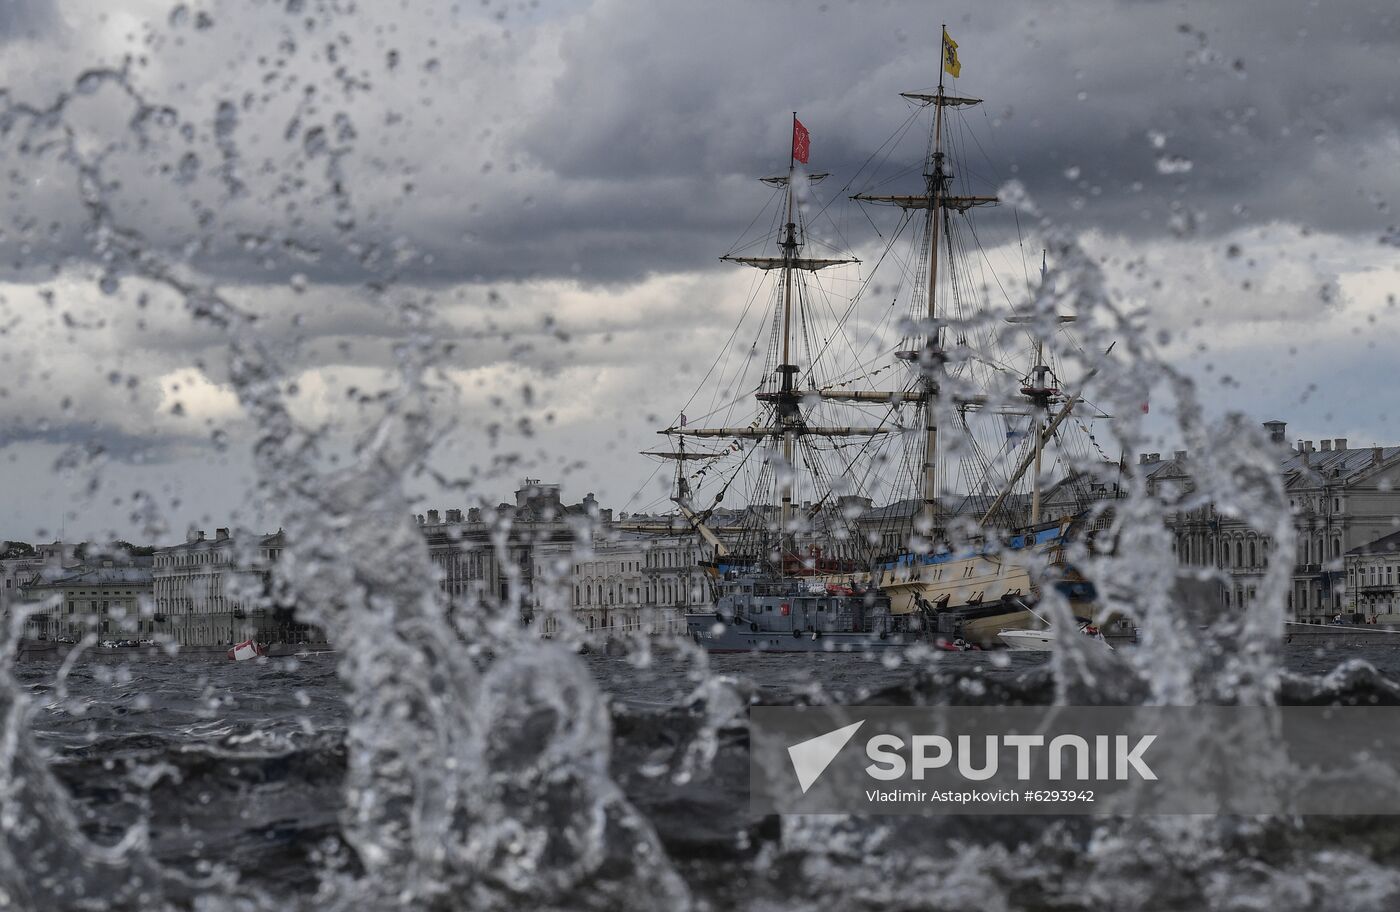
column 91, row 81
column 1072, row 173
column 225, row 119
column 1157, row 138
column 1174, row 164
column 314, row 142
column 179, row 16
column 188, row 168
column 109, row 284
column 298, row 283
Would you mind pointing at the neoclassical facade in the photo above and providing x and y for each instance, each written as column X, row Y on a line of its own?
column 1373, row 579
column 487, row 558
column 629, row 582
column 1342, row 498
column 105, row 599
column 214, row 591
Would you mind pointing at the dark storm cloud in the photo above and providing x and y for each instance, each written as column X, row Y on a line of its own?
column 638, row 154
column 1141, row 117
column 88, row 441
column 581, row 158
column 622, row 140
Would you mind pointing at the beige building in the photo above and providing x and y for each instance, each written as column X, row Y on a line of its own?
column 18, row 572
column 1342, row 498
column 625, row 582
column 1373, row 580
column 215, row 591
column 487, row 556
column 525, row 556
column 109, row 600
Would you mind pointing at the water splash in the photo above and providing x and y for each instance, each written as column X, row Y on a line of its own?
column 478, row 769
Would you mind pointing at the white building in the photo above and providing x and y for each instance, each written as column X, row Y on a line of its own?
column 625, row 582
column 487, row 557
column 1342, row 497
column 218, row 591
column 108, row 599
column 18, row 572
column 1373, row 580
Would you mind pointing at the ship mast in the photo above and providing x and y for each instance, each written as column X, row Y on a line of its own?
column 1040, row 394
column 787, row 400
column 933, row 354
column 937, row 201
column 787, row 424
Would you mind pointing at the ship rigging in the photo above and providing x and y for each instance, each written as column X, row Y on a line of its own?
column 882, row 431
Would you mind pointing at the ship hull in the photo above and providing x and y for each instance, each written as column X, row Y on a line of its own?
column 1041, row 640
column 759, row 613
column 717, row 637
column 974, row 595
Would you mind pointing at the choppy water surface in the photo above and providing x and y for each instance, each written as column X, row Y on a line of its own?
column 242, row 767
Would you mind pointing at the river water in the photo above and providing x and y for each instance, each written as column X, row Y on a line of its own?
column 240, row 768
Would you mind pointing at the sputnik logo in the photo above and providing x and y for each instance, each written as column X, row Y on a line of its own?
column 810, row 758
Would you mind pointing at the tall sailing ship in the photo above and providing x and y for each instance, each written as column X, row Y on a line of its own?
column 859, row 402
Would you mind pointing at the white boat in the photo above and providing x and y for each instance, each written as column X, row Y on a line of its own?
column 246, row 650
column 1044, row 640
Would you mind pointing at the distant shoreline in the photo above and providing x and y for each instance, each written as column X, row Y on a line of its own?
column 48, row 650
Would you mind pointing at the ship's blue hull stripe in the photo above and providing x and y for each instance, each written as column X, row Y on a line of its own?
column 1014, row 543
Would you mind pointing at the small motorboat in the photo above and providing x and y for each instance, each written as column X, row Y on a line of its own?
column 1044, row 640
column 248, row 649
column 957, row 644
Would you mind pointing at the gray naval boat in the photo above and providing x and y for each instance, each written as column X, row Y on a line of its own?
column 758, row 613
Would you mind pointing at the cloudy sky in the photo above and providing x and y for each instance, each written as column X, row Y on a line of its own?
column 552, row 184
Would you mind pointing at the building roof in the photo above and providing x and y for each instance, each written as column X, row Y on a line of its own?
column 1326, row 464
column 1386, row 544
column 1150, row 470
column 1338, row 463
column 205, row 544
column 93, row 576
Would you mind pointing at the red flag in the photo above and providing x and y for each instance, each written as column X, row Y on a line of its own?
column 801, row 141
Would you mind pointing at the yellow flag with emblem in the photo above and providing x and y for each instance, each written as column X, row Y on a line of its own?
column 950, row 56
